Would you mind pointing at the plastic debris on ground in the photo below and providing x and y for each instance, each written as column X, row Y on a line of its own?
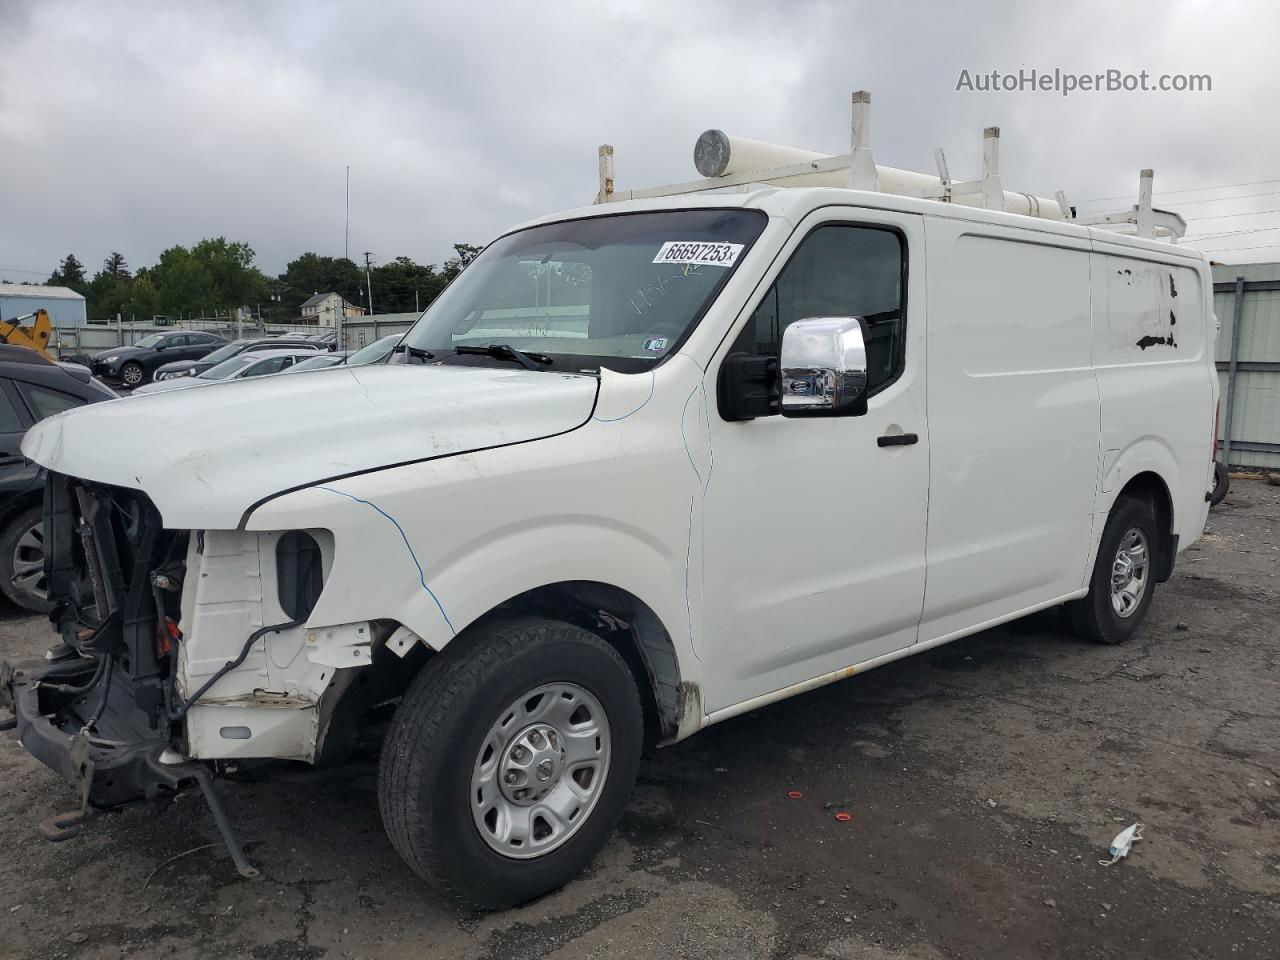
column 1123, row 843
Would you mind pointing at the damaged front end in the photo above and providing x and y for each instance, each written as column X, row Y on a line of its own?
column 104, row 713
column 99, row 715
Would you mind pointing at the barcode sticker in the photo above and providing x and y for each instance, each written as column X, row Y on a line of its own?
column 706, row 254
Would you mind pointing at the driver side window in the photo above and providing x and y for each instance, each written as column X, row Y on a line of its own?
column 840, row 270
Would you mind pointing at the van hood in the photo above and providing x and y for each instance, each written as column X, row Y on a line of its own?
column 205, row 457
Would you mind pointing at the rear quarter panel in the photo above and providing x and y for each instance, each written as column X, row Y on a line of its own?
column 1153, row 355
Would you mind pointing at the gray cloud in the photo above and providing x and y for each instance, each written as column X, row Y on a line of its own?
column 136, row 126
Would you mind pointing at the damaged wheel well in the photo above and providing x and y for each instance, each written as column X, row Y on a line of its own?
column 634, row 630
column 620, row 618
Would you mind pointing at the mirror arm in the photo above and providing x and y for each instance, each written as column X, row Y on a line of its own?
column 747, row 387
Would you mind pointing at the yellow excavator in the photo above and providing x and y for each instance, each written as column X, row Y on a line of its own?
column 36, row 336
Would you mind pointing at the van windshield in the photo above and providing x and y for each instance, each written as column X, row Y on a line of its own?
column 619, row 291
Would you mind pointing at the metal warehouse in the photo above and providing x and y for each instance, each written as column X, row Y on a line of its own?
column 1247, row 302
column 66, row 307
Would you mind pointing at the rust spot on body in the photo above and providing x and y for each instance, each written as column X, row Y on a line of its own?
column 689, row 707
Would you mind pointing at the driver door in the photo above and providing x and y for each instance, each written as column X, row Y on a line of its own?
column 814, row 528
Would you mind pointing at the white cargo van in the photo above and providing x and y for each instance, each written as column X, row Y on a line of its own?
column 642, row 467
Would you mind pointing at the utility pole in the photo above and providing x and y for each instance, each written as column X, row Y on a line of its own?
column 368, row 262
column 346, row 230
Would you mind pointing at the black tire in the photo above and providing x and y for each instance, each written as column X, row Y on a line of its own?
column 133, row 374
column 440, row 728
column 1221, row 484
column 21, row 546
column 1093, row 617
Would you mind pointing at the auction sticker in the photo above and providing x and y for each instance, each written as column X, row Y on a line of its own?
column 706, row 254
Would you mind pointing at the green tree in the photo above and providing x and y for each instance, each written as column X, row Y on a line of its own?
column 183, row 284
column 107, row 295
column 237, row 282
column 215, row 274
column 311, row 273
column 464, row 253
column 70, row 273
column 143, row 300
column 115, row 265
column 402, row 286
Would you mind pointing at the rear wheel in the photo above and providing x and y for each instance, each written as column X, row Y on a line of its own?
column 1221, row 484
column 22, row 576
column 510, row 761
column 1123, row 579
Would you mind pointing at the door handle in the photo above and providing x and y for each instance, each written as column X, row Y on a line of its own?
column 6, row 461
column 897, row 440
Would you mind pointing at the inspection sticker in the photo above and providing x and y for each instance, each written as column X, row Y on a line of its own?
column 708, row 254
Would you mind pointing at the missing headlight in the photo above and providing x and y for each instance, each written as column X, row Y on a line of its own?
column 299, row 573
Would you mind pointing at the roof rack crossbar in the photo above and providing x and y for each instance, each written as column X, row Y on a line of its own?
column 729, row 162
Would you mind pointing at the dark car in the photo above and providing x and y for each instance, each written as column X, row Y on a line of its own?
column 193, row 368
column 31, row 388
column 136, row 364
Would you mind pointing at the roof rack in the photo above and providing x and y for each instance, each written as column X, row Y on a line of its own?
column 726, row 161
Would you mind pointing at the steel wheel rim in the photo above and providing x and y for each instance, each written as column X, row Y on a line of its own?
column 1129, row 573
column 28, row 563
column 540, row 770
column 131, row 374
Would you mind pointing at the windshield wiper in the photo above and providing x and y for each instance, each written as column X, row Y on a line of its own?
column 505, row 351
column 413, row 351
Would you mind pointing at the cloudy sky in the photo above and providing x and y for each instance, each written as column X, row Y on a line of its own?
column 134, row 126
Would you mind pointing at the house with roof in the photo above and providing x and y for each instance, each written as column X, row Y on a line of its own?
column 324, row 309
column 66, row 307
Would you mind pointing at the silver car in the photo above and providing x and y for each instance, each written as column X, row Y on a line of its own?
column 252, row 363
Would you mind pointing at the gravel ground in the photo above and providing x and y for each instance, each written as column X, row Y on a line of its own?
column 984, row 780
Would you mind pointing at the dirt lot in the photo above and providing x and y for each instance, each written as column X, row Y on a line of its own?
column 985, row 779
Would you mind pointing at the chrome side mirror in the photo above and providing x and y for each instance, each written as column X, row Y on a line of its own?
column 823, row 364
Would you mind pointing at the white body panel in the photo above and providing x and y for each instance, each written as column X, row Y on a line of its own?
column 1013, row 417
column 206, row 456
column 777, row 554
column 799, row 580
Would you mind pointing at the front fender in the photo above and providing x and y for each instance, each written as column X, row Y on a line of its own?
column 437, row 544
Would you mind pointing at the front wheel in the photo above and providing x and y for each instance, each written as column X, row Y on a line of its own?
column 1123, row 579
column 510, row 761
column 132, row 374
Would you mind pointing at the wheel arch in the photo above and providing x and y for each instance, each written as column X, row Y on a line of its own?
column 1150, row 486
column 672, row 703
column 673, row 706
column 23, row 501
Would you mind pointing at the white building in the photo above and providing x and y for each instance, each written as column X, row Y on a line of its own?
column 66, row 307
column 323, row 309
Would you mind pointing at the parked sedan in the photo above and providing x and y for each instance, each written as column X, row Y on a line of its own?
column 254, row 363
column 375, row 352
column 135, row 365
column 321, row 361
column 193, row 368
column 31, row 388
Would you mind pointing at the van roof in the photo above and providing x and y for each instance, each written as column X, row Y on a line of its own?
column 795, row 203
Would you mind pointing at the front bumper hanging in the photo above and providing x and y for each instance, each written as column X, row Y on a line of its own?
column 109, row 764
